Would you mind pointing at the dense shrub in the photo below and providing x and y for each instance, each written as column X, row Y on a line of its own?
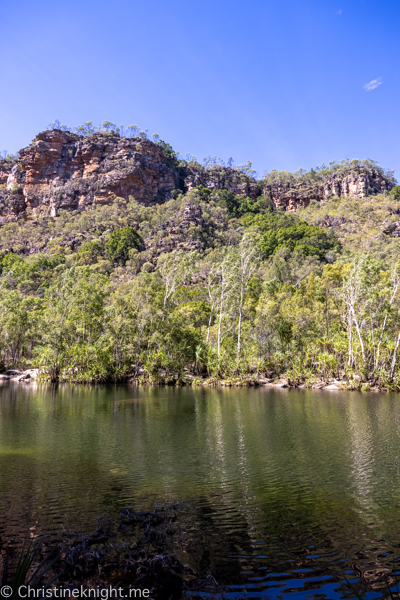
column 120, row 242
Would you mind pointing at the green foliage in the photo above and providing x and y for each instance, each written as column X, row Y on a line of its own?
column 395, row 192
column 359, row 224
column 11, row 262
column 89, row 253
column 195, row 313
column 270, row 220
column 29, row 571
column 32, row 273
column 286, row 230
column 204, row 194
column 302, row 238
column 239, row 205
column 169, row 152
column 120, row 242
column 257, row 295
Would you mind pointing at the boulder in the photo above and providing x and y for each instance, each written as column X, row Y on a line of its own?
column 23, row 377
column 264, row 380
column 28, row 374
column 319, row 385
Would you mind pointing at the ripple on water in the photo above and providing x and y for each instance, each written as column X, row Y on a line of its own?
column 287, row 489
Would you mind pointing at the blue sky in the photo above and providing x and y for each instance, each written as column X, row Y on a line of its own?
column 278, row 82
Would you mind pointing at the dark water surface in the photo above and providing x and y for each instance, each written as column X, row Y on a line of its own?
column 287, row 488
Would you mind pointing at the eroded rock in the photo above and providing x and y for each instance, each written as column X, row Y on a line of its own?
column 178, row 233
column 62, row 170
column 356, row 182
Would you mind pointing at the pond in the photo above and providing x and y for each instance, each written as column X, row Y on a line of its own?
column 287, row 488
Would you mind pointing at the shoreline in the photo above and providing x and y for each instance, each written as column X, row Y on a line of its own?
column 282, row 383
column 259, row 380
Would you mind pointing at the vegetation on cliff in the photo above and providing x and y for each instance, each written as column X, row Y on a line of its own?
column 266, row 292
column 218, row 282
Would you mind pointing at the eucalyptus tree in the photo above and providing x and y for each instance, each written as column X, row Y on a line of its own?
column 227, row 295
column 249, row 261
column 353, row 297
column 133, row 130
column 174, row 269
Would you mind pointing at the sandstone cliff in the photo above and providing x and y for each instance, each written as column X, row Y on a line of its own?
column 61, row 170
column 222, row 178
column 356, row 182
column 289, row 192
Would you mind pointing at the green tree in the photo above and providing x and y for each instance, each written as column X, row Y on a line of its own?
column 89, row 253
column 120, row 242
column 396, row 192
column 249, row 259
column 174, row 269
column 72, row 325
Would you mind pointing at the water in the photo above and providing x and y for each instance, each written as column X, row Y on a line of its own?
column 287, row 489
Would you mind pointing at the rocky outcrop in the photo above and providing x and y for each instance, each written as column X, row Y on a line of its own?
column 17, row 375
column 391, row 228
column 290, row 192
column 64, row 171
column 61, row 170
column 356, row 182
column 181, row 232
column 223, row 178
column 5, row 168
column 332, row 222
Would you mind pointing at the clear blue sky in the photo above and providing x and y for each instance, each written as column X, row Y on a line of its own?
column 277, row 82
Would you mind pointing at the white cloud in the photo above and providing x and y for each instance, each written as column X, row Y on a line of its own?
column 339, row 13
column 368, row 87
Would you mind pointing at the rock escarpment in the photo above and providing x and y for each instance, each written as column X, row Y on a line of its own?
column 61, row 170
column 356, row 182
column 223, row 178
column 289, row 192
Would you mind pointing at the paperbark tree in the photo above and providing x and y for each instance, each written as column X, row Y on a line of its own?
column 249, row 257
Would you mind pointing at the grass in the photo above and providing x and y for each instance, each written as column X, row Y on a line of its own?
column 28, row 572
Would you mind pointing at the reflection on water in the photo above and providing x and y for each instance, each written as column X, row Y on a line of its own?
column 286, row 487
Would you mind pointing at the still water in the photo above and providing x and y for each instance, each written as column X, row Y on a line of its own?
column 288, row 488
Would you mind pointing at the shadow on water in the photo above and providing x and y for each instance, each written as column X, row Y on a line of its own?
column 288, row 489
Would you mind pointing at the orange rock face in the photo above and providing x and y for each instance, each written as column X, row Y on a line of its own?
column 61, row 170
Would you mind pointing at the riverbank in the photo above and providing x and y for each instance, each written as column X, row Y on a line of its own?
column 354, row 383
